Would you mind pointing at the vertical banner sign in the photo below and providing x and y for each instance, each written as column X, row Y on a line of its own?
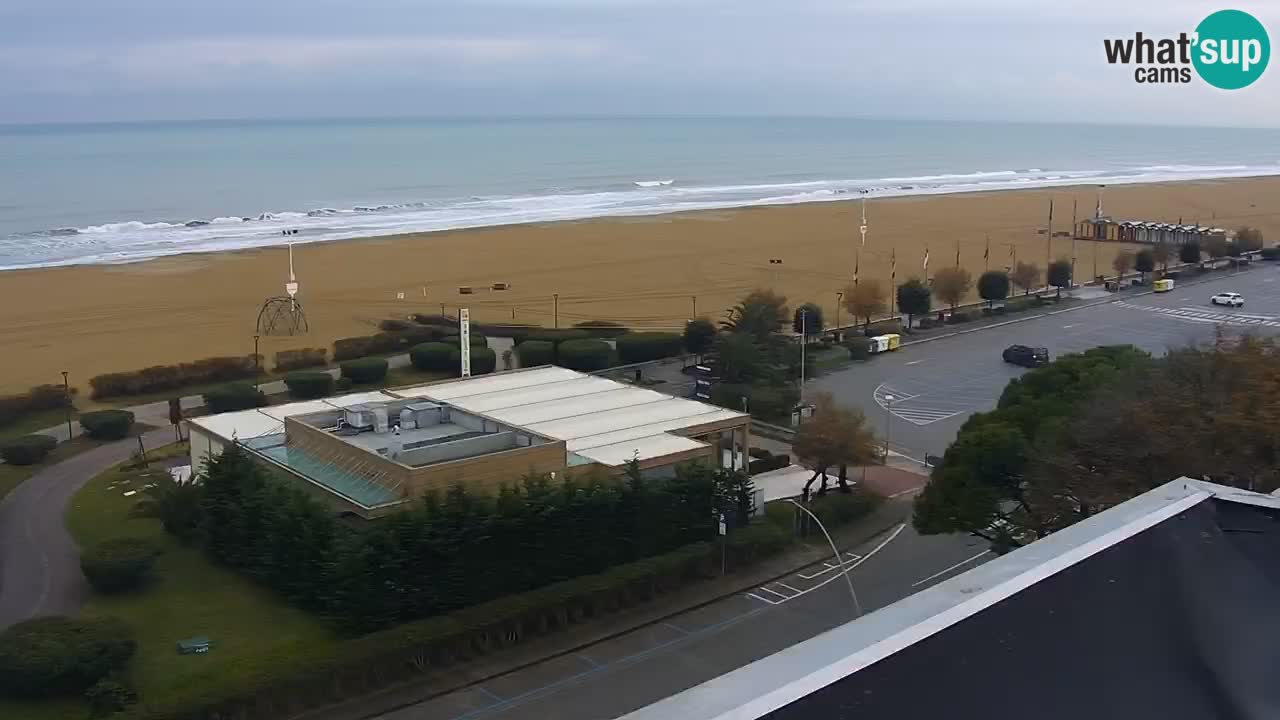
column 464, row 340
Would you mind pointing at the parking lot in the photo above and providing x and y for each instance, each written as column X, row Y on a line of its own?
column 920, row 395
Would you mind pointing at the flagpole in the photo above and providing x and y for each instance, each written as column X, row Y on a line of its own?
column 1074, row 202
column 986, row 255
column 857, row 262
column 1048, row 241
column 957, row 252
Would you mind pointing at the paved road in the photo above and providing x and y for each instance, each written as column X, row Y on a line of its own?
column 617, row 676
column 39, row 562
column 936, row 385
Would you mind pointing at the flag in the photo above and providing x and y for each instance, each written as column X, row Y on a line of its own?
column 986, row 254
column 857, row 264
column 926, row 260
column 893, row 266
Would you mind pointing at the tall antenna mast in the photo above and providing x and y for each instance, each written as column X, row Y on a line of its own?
column 291, row 287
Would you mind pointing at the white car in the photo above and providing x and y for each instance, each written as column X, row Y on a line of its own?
column 1228, row 299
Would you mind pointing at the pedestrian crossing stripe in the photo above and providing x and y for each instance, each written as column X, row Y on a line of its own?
column 1199, row 315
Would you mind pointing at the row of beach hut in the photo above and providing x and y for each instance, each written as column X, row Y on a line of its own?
column 1136, row 231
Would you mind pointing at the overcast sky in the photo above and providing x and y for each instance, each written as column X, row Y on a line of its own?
column 106, row 60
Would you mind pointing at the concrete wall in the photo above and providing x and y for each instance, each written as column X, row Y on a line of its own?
column 325, row 445
column 204, row 447
column 458, row 449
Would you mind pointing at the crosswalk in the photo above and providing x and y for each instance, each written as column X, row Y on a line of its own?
column 1204, row 315
column 916, row 413
column 801, row 583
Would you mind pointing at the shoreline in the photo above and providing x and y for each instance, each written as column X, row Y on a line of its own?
column 645, row 271
column 1072, row 185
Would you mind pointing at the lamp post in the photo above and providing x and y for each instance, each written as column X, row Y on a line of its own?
column 857, row 607
column 839, row 300
column 257, row 369
column 888, row 424
column 66, row 390
column 804, row 337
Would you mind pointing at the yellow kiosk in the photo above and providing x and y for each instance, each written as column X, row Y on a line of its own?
column 1162, row 285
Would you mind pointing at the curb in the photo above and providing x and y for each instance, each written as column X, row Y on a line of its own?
column 877, row 529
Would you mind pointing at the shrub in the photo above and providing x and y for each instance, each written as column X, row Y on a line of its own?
column 235, row 396
column 309, row 384
column 342, row 384
column 960, row 317
column 428, row 319
column 555, row 337
column 699, row 336
column 584, row 355
column 385, row 343
column 859, row 348
column 477, row 340
column 763, row 401
column 394, row 325
column 27, row 450
column 287, row 360
column 533, row 353
column 839, row 508
column 40, row 397
column 645, row 346
column 57, row 655
column 365, row 370
column 483, row 360
column 169, row 377
column 602, row 328
column 765, row 464
column 107, row 697
column 433, row 356
column 119, row 565
column 1270, row 253
column 107, row 424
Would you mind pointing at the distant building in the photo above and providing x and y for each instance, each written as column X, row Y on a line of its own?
column 1160, row 607
column 368, row 454
column 1143, row 232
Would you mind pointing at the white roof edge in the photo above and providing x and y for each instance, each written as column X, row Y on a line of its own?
column 752, row 691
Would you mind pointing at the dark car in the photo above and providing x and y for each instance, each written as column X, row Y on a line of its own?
column 1026, row 356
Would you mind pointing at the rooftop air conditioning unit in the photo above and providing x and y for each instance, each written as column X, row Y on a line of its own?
column 359, row 417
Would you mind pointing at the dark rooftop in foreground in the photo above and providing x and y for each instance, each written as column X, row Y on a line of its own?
column 1167, row 606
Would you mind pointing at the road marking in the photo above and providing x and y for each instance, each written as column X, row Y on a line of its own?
column 782, row 584
column 677, row 628
column 953, row 567
column 917, row 362
column 775, row 592
column 925, row 416
column 908, row 491
column 829, row 567
column 1067, row 327
column 588, row 660
column 492, row 695
column 848, row 568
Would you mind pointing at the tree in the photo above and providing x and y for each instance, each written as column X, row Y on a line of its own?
column 993, row 285
column 177, row 505
column 119, row 565
column 1216, row 247
column 1122, row 263
column 1160, row 253
column 741, row 359
column 56, row 655
column 914, row 299
column 699, row 334
column 1189, row 252
column 865, row 299
column 807, row 320
column 1026, row 276
column 1059, row 274
column 760, row 314
column 1248, row 239
column 833, row 437
column 1144, row 262
column 951, row 284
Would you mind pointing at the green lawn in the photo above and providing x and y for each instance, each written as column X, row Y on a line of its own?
column 35, row 421
column 190, row 597
column 11, row 476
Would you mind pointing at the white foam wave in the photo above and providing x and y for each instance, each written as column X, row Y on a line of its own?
column 653, row 183
column 138, row 240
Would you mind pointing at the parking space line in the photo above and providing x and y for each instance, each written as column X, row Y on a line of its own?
column 588, row 660
column 782, row 584
column 677, row 628
column 953, row 567
column 757, row 597
column 775, row 592
column 492, row 695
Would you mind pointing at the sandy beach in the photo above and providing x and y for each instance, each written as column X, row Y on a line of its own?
column 645, row 271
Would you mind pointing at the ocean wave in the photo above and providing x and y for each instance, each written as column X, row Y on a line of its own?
column 134, row 240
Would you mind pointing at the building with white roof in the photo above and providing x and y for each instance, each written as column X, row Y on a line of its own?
column 369, row 452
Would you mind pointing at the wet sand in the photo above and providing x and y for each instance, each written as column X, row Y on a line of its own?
column 653, row 271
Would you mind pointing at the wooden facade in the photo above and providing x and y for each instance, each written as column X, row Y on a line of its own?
column 1145, row 233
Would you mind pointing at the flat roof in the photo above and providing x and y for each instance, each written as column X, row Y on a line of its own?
column 243, row 424
column 1157, row 607
column 605, row 420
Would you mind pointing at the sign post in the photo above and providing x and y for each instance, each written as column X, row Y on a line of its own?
column 464, row 340
column 722, row 544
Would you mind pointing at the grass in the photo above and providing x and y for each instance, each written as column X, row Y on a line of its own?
column 11, row 476
column 189, row 597
column 36, row 421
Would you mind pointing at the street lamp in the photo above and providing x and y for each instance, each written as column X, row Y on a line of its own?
column 66, row 390
column 839, row 299
column 257, row 369
column 888, row 424
column 857, row 607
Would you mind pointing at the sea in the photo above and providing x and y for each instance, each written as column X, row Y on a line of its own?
column 113, row 193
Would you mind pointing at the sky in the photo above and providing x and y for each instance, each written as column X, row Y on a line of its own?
column 1023, row 60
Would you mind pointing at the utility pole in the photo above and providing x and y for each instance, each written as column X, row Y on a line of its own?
column 694, row 298
column 804, row 340
column 555, row 310
column 839, row 301
column 66, row 391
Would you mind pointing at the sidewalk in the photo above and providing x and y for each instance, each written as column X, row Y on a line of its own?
column 456, row 677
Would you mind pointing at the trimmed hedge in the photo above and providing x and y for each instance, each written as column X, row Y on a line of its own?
column 309, row 384
column 602, row 328
column 555, row 337
column 435, row 356
column 646, row 346
column 1270, row 253
column 107, row 424
column 477, row 340
column 768, row 402
column 27, row 450
column 287, row 360
column 533, row 353
column 365, row 370
column 169, row 377
column 768, row 462
column 859, row 348
column 119, row 565
column 235, row 396
column 483, row 360
column 394, row 325
column 385, row 343
column 584, row 355
column 40, row 397
column 56, row 655
column 342, row 384
column 959, row 317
